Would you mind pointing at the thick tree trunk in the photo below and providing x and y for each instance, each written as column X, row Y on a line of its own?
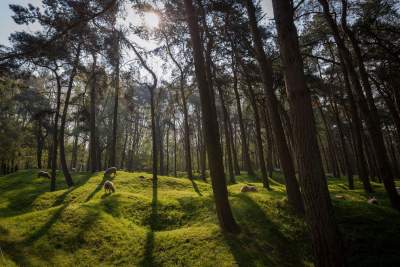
column 327, row 244
column 265, row 67
column 210, row 125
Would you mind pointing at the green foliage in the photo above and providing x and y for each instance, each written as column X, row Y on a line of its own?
column 176, row 225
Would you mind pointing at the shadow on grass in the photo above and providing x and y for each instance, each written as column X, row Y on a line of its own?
column 260, row 243
column 78, row 183
column 15, row 249
column 195, row 187
column 26, row 187
column 148, row 258
column 45, row 227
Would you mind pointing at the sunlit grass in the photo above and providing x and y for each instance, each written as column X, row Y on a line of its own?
column 84, row 226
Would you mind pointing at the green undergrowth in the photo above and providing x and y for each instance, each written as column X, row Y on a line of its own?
column 173, row 223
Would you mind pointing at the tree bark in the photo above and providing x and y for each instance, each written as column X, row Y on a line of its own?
column 94, row 167
column 227, row 135
column 327, row 243
column 113, row 151
column 55, row 135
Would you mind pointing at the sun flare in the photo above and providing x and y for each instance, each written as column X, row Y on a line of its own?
column 151, row 20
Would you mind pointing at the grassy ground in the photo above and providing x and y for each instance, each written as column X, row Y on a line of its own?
column 176, row 225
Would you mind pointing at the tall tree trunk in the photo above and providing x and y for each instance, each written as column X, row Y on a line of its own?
column 346, row 155
column 203, row 156
column 160, row 143
column 227, row 134
column 64, row 165
column 331, row 148
column 167, row 152
column 55, row 135
column 153, row 135
column 357, row 129
column 265, row 67
column 74, row 156
column 39, row 143
column 49, row 155
column 123, row 153
column 233, row 145
column 260, row 147
column 188, row 158
column 113, row 151
column 175, row 148
column 268, row 133
column 327, row 243
column 210, row 126
column 243, row 136
column 94, row 167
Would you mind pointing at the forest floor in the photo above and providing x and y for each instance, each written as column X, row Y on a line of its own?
column 176, row 224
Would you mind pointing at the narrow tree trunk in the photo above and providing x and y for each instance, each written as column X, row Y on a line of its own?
column 167, row 152
column 227, row 135
column 346, row 155
column 64, row 165
column 357, row 129
column 94, row 167
column 55, row 136
column 74, row 156
column 331, row 148
column 153, row 136
column 233, row 145
column 268, row 133
column 113, row 151
column 259, row 144
column 123, row 154
column 39, row 144
column 243, row 136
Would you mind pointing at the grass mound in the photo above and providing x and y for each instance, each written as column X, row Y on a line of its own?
column 175, row 224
